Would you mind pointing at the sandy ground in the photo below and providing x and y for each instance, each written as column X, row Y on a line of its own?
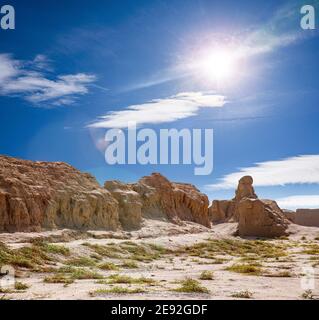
column 169, row 269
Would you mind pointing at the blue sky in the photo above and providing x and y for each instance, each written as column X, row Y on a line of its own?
column 67, row 64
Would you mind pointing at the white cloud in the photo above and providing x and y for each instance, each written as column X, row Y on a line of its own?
column 28, row 80
column 303, row 169
column 170, row 109
column 8, row 68
column 299, row 202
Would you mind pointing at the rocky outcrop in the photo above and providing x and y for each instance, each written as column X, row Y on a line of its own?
column 175, row 201
column 130, row 204
column 290, row 215
column 255, row 217
column 156, row 197
column 307, row 217
column 227, row 210
column 47, row 195
column 245, row 189
column 36, row 195
column 219, row 211
column 261, row 218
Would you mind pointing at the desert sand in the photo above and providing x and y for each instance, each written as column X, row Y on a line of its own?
column 173, row 253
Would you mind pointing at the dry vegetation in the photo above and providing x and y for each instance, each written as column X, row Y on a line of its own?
column 135, row 268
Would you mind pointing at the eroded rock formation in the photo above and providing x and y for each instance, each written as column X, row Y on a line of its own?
column 245, row 189
column 307, row 217
column 130, row 204
column 35, row 195
column 227, row 210
column 290, row 215
column 219, row 211
column 261, row 218
column 155, row 196
column 46, row 195
column 176, row 201
column 255, row 217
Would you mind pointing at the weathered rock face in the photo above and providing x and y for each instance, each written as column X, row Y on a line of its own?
column 255, row 217
column 290, row 215
column 261, row 218
column 35, row 195
column 227, row 210
column 44, row 195
column 307, row 217
column 130, row 204
column 174, row 201
column 219, row 211
column 245, row 189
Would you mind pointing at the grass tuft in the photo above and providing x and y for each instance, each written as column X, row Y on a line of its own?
column 245, row 269
column 81, row 262
column 116, row 290
column 242, row 294
column 129, row 264
column 118, row 278
column 21, row 286
column 108, row 266
column 191, row 285
column 58, row 278
column 282, row 274
column 206, row 275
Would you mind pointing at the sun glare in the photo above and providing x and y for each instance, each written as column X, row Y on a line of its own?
column 217, row 65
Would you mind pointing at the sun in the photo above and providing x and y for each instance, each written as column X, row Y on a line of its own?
column 213, row 65
column 217, row 64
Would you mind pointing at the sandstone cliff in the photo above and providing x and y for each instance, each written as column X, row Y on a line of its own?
column 307, row 217
column 35, row 195
column 130, row 204
column 45, row 195
column 156, row 197
column 220, row 211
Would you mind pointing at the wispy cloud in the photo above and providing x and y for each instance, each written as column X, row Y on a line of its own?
column 180, row 106
column 299, row 202
column 281, row 30
column 30, row 80
column 41, row 62
column 303, row 169
column 8, row 68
